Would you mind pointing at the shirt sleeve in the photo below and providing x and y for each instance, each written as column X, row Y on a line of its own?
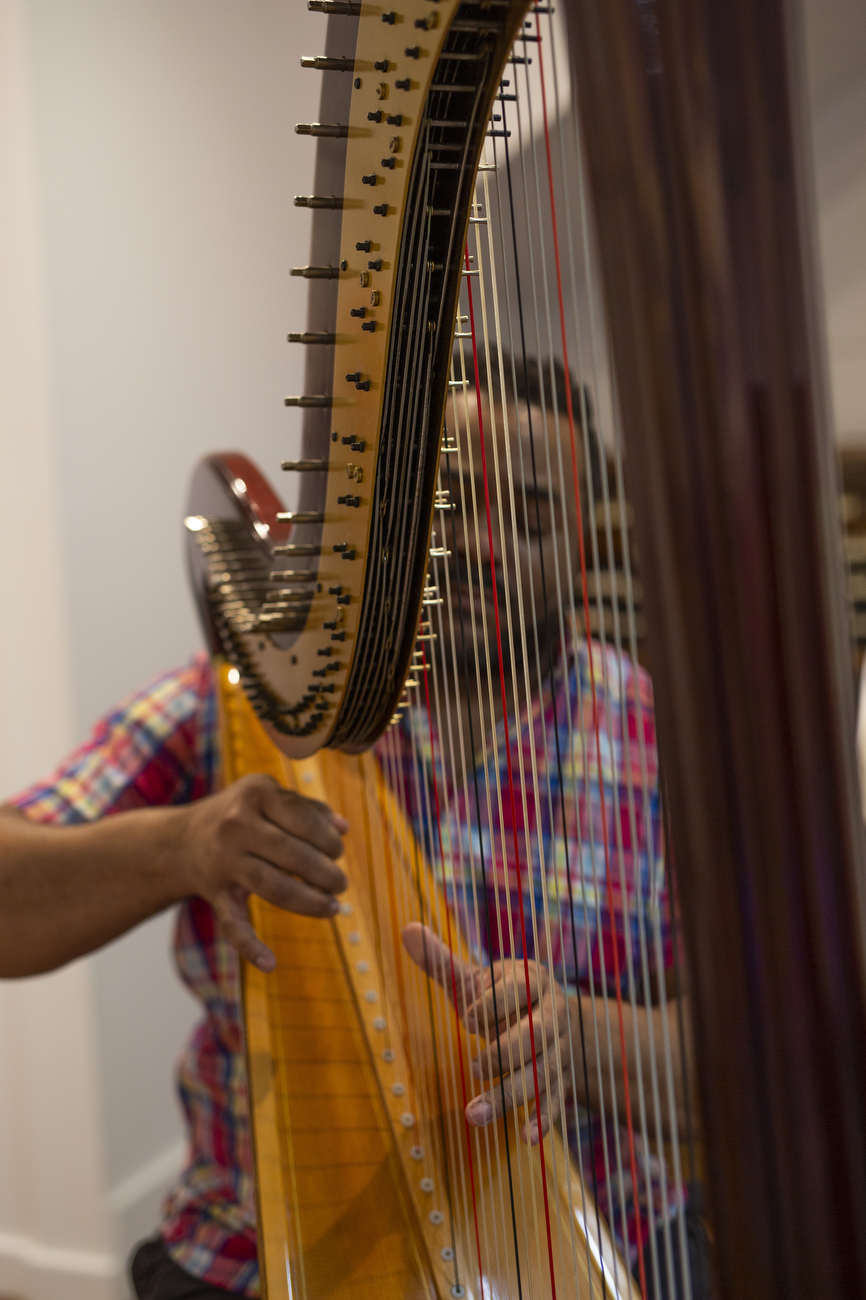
column 157, row 747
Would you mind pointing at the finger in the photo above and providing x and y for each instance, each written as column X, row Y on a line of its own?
column 516, row 1087
column 547, row 1112
column 306, row 819
column 289, row 853
column 287, row 892
column 231, row 913
column 437, row 960
column 520, row 1043
column 504, row 999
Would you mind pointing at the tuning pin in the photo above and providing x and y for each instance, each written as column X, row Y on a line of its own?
column 329, row 201
column 330, row 130
column 312, row 336
column 325, row 64
column 316, row 272
column 301, row 465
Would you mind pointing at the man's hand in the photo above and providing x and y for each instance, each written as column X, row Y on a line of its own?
column 256, row 837
column 66, row 890
column 496, row 1007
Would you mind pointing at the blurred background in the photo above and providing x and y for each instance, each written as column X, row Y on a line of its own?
column 147, row 167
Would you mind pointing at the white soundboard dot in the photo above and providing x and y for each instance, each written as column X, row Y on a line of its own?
column 354, row 936
column 380, row 1022
column 426, row 1184
column 436, row 1216
column 447, row 1252
column 388, row 1055
column 346, row 909
column 398, row 1089
column 417, row 1153
column 362, row 967
column 371, row 996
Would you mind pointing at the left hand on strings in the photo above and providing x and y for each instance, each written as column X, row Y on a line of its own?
column 494, row 1005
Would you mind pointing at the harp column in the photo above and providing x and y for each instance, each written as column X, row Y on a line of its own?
column 695, row 163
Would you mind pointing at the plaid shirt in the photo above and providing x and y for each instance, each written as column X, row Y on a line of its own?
column 159, row 746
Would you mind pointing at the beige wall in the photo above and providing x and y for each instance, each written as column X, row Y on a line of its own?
column 147, row 167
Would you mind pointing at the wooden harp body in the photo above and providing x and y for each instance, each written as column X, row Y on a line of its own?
column 501, row 381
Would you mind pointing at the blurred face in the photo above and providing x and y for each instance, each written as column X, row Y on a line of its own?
column 523, row 552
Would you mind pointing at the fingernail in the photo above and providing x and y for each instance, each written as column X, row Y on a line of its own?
column 264, row 963
column 479, row 1112
column 533, row 1134
column 340, row 822
column 333, row 907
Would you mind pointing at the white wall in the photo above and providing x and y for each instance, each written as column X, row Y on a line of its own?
column 147, row 167
column 836, row 40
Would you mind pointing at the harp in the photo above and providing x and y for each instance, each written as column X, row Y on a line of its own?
column 559, row 277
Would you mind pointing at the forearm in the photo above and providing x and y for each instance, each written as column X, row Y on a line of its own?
column 66, row 890
column 644, row 1035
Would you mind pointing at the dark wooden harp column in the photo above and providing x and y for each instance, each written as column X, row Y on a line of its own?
column 696, row 164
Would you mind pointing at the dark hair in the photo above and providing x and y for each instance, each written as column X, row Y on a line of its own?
column 529, row 382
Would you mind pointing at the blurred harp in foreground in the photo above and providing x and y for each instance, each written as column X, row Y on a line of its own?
column 561, row 316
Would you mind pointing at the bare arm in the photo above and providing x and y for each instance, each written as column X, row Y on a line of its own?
column 66, row 890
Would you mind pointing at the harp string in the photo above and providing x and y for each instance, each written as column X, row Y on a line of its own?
column 645, row 800
column 592, row 674
column 537, row 190
column 485, row 678
column 509, row 767
column 521, row 625
column 490, row 1159
column 440, row 1031
column 558, row 582
column 452, row 972
column 476, row 802
column 548, row 947
column 525, row 149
